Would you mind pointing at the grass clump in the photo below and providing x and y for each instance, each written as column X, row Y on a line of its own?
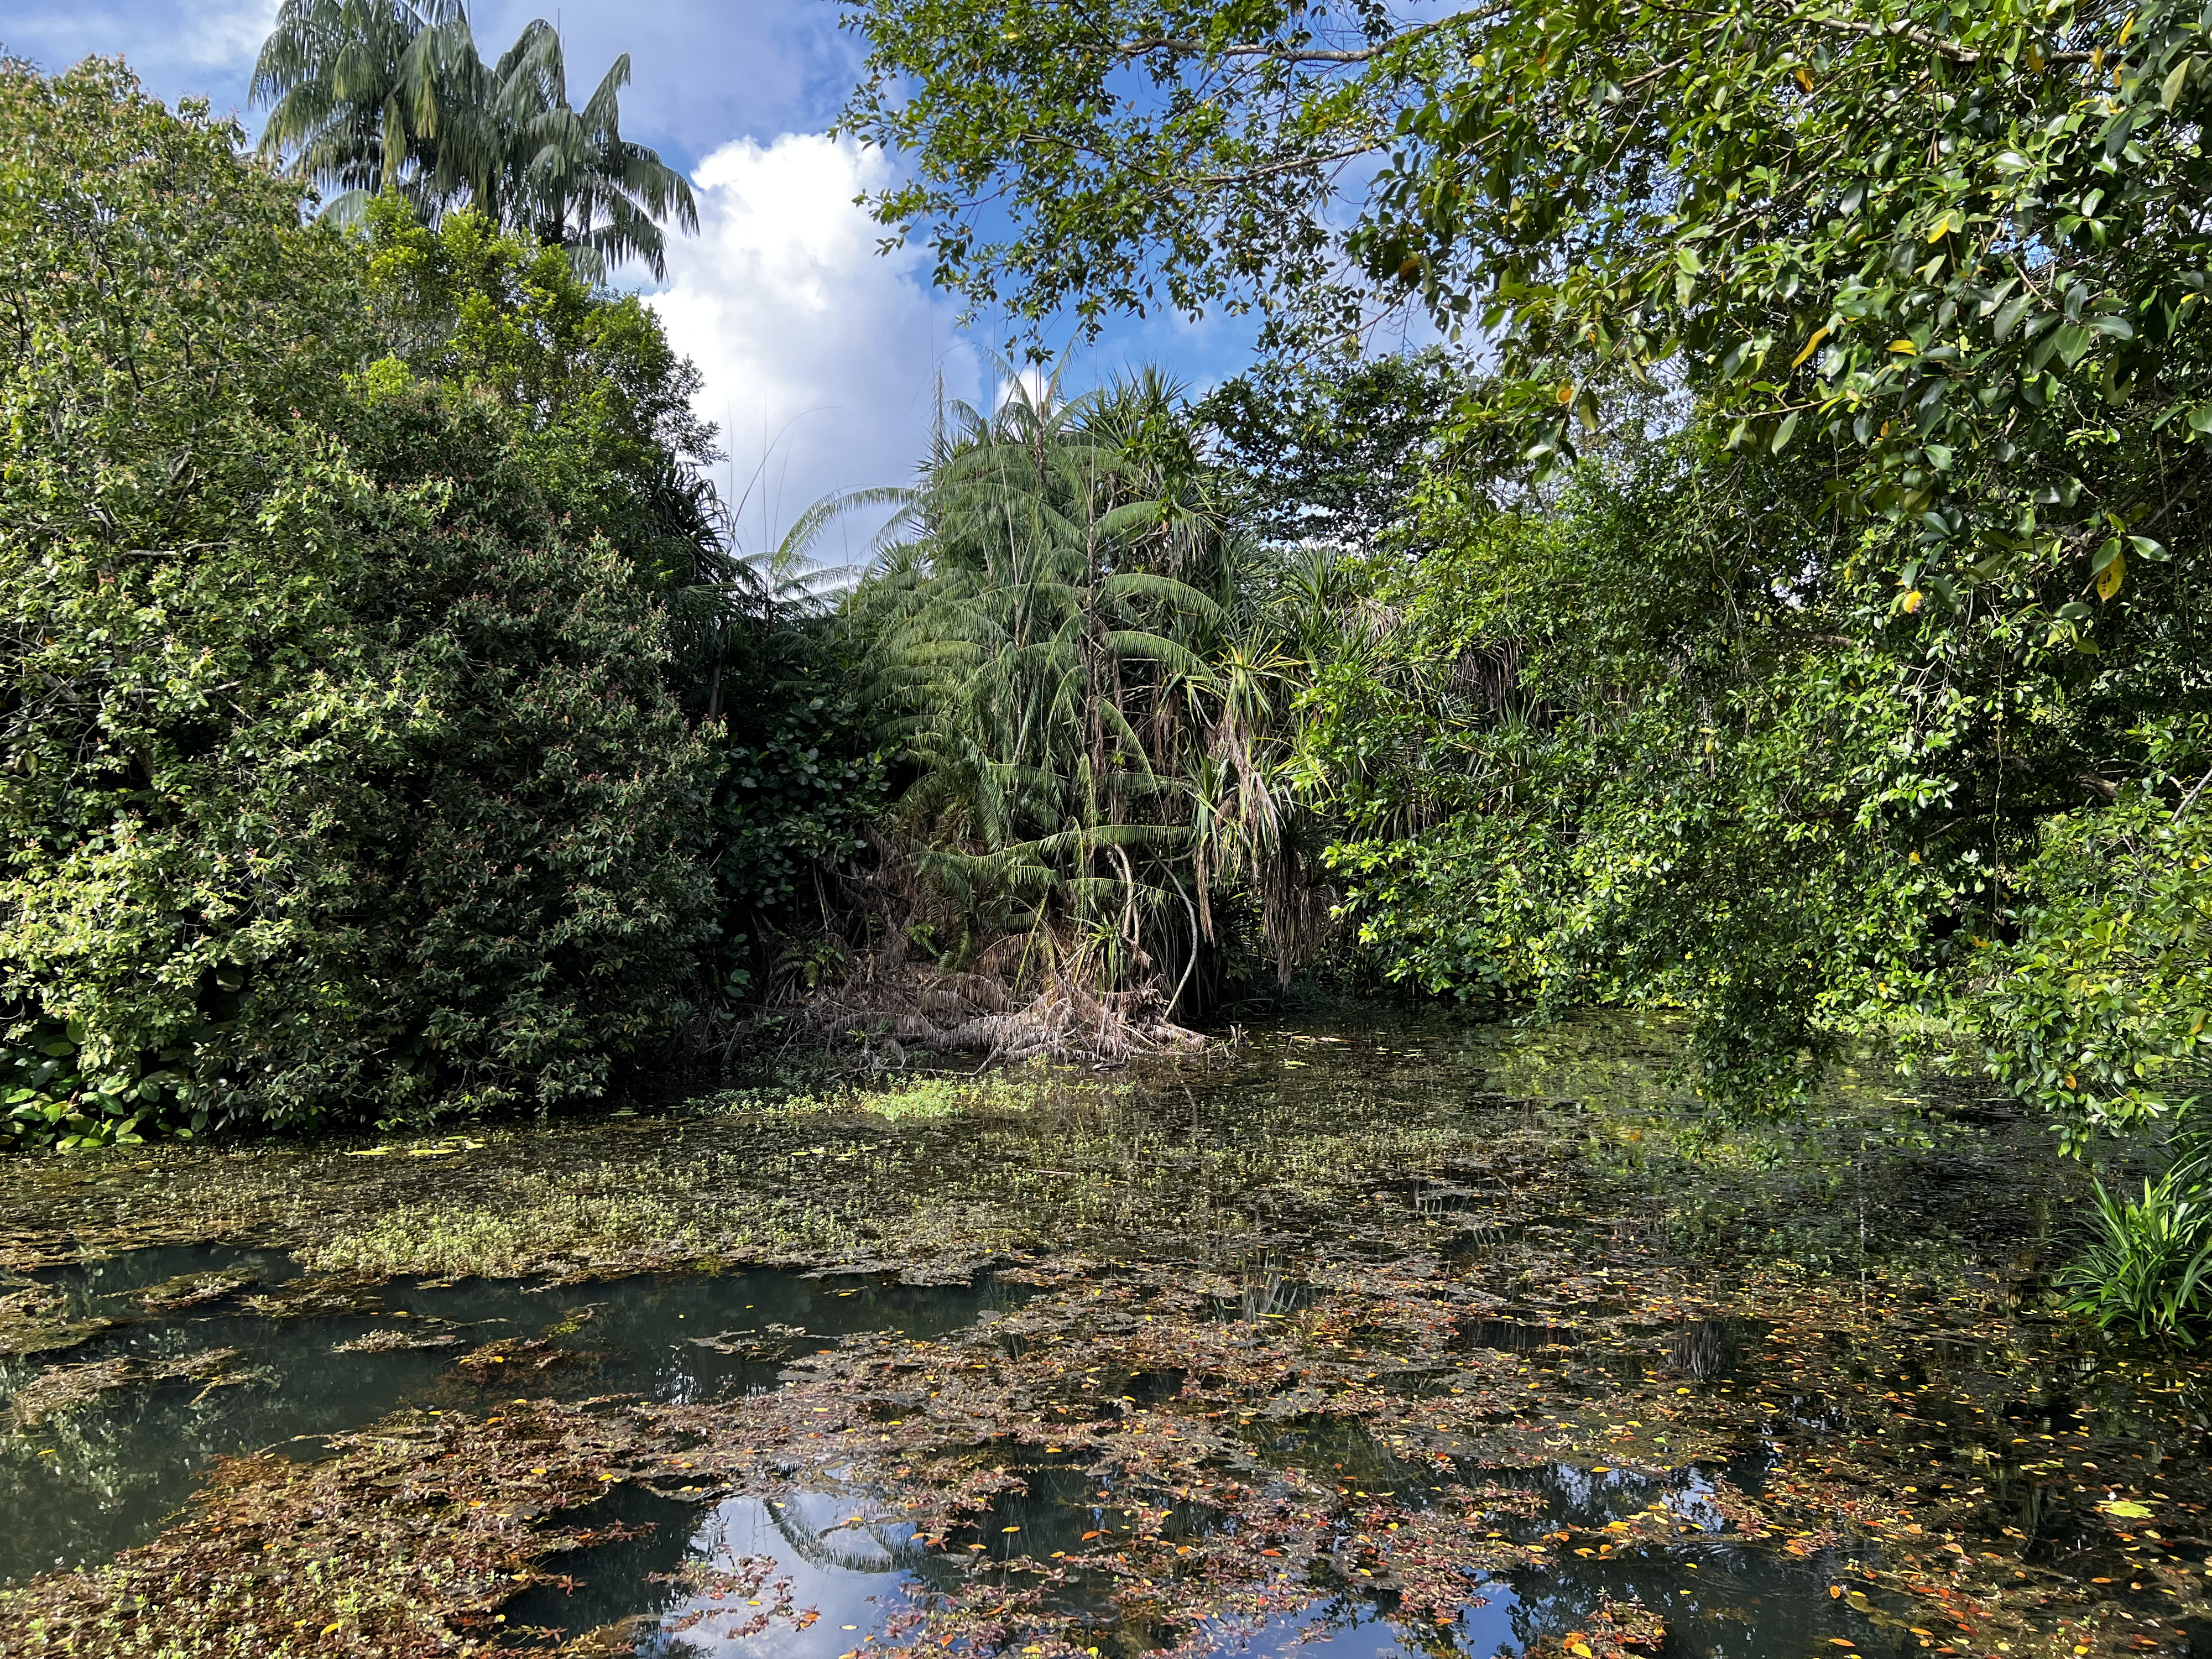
column 2149, row 1268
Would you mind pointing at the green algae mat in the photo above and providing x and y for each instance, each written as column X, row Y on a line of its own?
column 1372, row 1337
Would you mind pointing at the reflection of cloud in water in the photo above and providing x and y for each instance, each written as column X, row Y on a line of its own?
column 854, row 1578
column 333, row 1355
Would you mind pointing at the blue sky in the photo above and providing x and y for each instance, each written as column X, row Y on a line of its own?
column 822, row 358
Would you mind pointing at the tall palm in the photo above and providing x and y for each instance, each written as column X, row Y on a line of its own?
column 567, row 175
column 372, row 95
column 361, row 94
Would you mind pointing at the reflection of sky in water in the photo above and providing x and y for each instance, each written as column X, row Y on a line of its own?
column 851, row 1575
column 90, row 1481
column 115, row 1469
column 865, row 1581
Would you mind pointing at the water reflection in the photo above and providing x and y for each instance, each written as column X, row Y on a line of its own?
column 829, row 1573
column 303, row 1360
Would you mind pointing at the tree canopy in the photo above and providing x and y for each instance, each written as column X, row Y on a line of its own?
column 374, row 96
column 344, row 778
column 1792, row 615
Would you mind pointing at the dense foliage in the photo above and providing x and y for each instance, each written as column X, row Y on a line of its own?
column 1798, row 624
column 344, row 777
column 1086, row 668
column 1654, row 739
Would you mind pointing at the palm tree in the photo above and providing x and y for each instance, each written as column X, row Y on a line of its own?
column 759, row 589
column 567, row 175
column 361, row 94
column 370, row 95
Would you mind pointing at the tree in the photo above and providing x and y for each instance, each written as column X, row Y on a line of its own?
column 342, row 779
column 1612, row 193
column 373, row 96
column 1925, row 285
column 1328, row 451
column 1088, row 685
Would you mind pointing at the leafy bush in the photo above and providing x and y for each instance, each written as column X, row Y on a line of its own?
column 801, row 782
column 2150, row 1269
column 2097, row 1009
column 337, row 766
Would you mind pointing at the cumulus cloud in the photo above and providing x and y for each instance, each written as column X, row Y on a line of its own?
column 821, row 356
column 228, row 35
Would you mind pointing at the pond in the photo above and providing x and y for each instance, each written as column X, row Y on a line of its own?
column 1378, row 1336
column 256, row 1357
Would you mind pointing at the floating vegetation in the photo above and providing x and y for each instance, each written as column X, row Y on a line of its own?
column 67, row 1388
column 194, row 1290
column 1366, row 1341
column 773, row 1342
column 391, row 1338
column 35, row 1319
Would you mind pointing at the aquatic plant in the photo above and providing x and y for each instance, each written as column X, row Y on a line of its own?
column 2149, row 1268
column 1332, row 1348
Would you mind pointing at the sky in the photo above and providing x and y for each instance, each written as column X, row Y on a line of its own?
column 822, row 356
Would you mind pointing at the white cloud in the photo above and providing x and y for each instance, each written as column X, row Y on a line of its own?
column 224, row 35
column 1042, row 389
column 820, row 355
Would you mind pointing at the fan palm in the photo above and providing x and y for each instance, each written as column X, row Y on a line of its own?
column 369, row 95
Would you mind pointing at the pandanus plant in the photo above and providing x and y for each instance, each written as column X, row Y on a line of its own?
column 1093, row 682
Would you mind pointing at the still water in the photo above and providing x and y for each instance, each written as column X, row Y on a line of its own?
column 731, row 1577
column 705, row 1582
column 78, row 1484
column 205, row 1351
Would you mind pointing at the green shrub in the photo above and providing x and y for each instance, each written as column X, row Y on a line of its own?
column 339, row 771
column 2150, row 1269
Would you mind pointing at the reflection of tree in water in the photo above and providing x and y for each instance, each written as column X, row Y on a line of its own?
column 816, row 1525
column 1705, row 1349
column 95, row 1466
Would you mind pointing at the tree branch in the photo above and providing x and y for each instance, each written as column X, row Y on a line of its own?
column 1282, row 54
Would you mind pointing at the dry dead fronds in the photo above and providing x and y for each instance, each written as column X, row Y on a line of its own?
column 905, row 1006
